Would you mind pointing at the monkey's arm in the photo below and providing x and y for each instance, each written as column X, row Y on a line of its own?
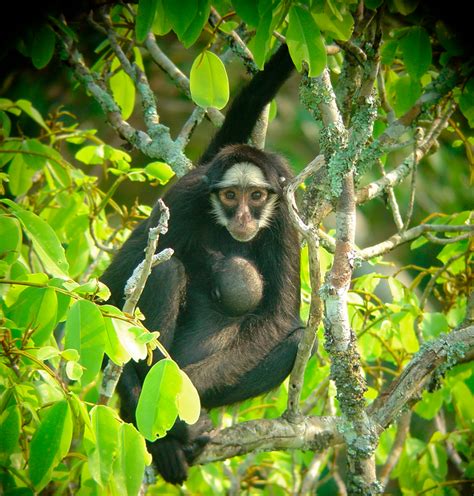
column 249, row 103
column 237, row 372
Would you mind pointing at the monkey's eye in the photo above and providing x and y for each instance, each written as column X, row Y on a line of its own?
column 258, row 196
column 228, row 197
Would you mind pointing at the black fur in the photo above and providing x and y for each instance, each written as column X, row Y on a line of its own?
column 229, row 358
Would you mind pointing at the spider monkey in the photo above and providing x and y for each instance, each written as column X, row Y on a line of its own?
column 227, row 303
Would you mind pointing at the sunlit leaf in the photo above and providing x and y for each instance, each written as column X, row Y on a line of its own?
column 123, row 89
column 129, row 465
column 208, row 81
column 122, row 339
column 45, row 242
column 37, row 308
column 189, row 404
column 305, row 42
column 157, row 406
column 10, row 238
column 85, row 332
column 104, row 450
column 91, row 154
column 160, row 170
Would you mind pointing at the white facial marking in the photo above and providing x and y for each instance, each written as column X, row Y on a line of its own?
column 244, row 175
column 267, row 211
column 218, row 211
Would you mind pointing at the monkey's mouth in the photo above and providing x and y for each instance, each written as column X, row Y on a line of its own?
column 242, row 234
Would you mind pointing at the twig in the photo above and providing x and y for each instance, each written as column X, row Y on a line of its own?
column 136, row 283
column 392, row 200
column 403, row 428
column 133, row 291
column 411, row 234
column 453, row 347
column 447, row 241
column 190, row 125
column 315, row 315
column 411, row 202
column 179, row 79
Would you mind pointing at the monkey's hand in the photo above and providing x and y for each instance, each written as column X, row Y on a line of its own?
column 173, row 454
column 169, row 459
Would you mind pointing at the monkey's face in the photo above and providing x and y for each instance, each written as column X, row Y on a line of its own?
column 243, row 201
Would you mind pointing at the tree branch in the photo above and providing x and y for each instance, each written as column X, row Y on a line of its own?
column 445, row 351
column 306, row 345
column 411, row 234
column 176, row 75
column 311, row 433
column 133, row 290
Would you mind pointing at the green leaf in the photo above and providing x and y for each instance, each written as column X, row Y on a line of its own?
column 103, row 450
column 85, row 332
column 404, row 94
column 180, row 14
column 430, row 404
column 42, row 49
column 416, row 50
column 373, row 4
column 340, row 28
column 160, row 170
column 157, row 406
column 21, row 175
column 261, row 42
column 305, row 42
column 129, row 466
column 77, row 254
column 10, row 238
column 464, row 401
column 407, row 334
column 248, row 11
column 37, row 308
column 29, row 110
column 466, row 101
column 44, row 240
column 433, row 325
column 405, row 7
column 10, row 424
column 145, row 17
column 189, row 404
column 5, row 125
column 74, row 371
column 388, row 52
column 50, row 443
column 91, row 154
column 123, row 89
column 161, row 24
column 194, row 30
column 123, row 339
column 418, row 243
column 208, row 81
